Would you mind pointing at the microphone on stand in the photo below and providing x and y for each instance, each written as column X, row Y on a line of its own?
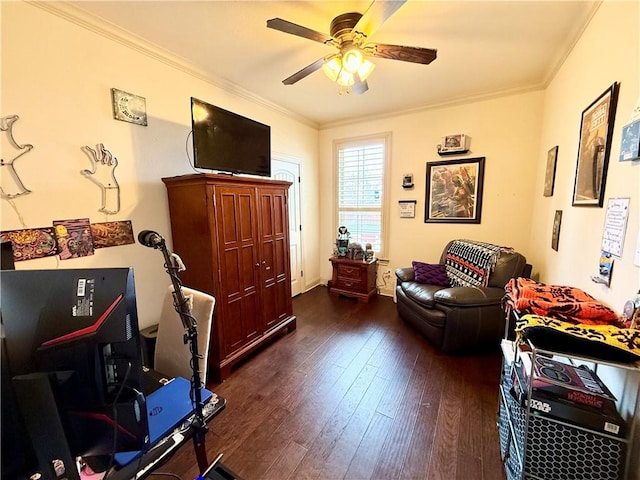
column 173, row 264
column 151, row 239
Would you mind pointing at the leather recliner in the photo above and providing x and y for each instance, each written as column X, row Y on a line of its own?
column 458, row 318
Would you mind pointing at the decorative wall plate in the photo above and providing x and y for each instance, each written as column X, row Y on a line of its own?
column 129, row 107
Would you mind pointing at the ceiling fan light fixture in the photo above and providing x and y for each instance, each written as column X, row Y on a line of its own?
column 365, row 69
column 332, row 68
column 345, row 79
column 352, row 59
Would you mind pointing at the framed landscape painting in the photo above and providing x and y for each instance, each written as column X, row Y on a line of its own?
column 454, row 191
column 596, row 131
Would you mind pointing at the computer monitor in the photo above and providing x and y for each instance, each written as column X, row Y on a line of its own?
column 6, row 256
column 79, row 329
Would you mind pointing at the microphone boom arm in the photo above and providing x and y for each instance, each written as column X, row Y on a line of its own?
column 189, row 323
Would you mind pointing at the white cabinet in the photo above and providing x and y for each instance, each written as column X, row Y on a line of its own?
column 551, row 432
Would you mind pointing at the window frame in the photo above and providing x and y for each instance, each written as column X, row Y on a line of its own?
column 385, row 139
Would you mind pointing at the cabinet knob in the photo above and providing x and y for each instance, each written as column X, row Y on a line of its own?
column 257, row 265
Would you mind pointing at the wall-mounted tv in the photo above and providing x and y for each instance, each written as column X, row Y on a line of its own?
column 228, row 142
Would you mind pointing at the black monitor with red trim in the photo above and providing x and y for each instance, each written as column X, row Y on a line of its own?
column 79, row 328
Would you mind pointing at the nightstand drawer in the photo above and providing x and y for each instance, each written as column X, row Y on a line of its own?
column 348, row 271
column 349, row 283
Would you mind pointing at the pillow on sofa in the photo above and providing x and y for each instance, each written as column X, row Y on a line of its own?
column 431, row 274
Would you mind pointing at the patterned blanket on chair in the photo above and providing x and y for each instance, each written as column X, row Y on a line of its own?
column 469, row 263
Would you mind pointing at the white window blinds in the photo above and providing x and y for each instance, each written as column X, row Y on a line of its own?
column 361, row 190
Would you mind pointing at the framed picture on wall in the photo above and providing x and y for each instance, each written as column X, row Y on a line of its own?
column 550, row 176
column 454, row 191
column 555, row 233
column 596, row 130
column 630, row 146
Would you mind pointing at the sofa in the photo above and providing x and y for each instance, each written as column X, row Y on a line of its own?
column 461, row 307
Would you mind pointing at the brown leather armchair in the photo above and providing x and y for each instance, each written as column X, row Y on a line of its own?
column 458, row 318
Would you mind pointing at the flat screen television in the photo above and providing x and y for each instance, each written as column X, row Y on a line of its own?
column 228, row 142
column 78, row 329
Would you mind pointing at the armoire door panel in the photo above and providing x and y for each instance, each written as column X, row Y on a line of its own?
column 251, row 327
column 281, row 262
column 233, row 333
column 279, row 215
column 231, row 278
column 228, row 213
column 268, row 270
column 248, row 267
column 266, row 216
column 269, row 305
column 246, row 217
column 283, row 297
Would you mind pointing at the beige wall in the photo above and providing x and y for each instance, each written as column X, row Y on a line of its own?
column 504, row 130
column 609, row 51
column 57, row 76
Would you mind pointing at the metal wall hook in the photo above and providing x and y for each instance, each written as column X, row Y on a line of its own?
column 12, row 185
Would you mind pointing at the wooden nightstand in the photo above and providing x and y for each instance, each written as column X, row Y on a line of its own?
column 354, row 278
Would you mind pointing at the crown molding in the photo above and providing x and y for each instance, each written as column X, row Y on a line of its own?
column 571, row 44
column 116, row 34
column 453, row 102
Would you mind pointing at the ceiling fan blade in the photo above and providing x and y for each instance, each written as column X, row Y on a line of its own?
column 295, row 29
column 376, row 15
column 360, row 86
column 308, row 70
column 405, row 54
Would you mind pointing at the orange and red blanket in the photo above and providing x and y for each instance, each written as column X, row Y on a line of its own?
column 562, row 302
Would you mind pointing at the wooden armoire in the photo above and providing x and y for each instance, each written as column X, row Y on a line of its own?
column 232, row 235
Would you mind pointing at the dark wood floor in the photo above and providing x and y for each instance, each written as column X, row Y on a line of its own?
column 355, row 393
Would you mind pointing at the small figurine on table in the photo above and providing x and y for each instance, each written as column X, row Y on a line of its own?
column 368, row 252
column 342, row 242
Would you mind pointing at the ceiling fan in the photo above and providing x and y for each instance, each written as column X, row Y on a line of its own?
column 350, row 33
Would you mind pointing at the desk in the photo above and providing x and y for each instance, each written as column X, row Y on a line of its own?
column 49, row 440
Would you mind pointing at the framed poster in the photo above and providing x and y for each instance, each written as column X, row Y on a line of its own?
column 596, row 130
column 550, row 176
column 555, row 233
column 454, row 191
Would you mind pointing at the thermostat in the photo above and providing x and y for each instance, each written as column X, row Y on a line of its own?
column 407, row 180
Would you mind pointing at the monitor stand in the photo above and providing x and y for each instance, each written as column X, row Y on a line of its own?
column 41, row 417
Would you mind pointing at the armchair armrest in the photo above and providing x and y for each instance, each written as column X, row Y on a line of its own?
column 469, row 296
column 405, row 274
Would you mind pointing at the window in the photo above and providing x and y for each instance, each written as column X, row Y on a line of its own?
column 362, row 189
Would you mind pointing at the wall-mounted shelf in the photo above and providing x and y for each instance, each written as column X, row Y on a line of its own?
column 458, row 152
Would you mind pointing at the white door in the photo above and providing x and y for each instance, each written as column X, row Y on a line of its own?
column 282, row 170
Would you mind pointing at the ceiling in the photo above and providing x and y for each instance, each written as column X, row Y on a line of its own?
column 484, row 49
